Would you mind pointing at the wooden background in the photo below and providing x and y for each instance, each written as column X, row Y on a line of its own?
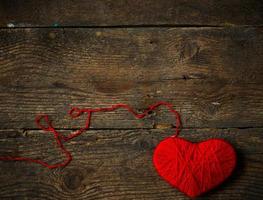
column 203, row 56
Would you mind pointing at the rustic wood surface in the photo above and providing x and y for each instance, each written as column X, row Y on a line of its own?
column 116, row 164
column 205, row 57
column 29, row 13
column 212, row 76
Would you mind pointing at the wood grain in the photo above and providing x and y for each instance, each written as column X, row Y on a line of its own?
column 213, row 76
column 46, row 13
column 116, row 164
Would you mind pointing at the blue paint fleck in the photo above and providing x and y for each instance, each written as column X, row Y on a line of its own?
column 56, row 25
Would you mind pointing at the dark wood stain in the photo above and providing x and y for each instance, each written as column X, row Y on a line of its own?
column 203, row 72
column 122, row 13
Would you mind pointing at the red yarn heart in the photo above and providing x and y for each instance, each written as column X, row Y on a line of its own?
column 194, row 168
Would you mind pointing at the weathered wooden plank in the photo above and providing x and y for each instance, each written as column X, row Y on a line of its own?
column 115, row 164
column 31, row 13
column 213, row 76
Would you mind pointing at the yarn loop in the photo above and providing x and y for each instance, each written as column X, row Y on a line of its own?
column 75, row 113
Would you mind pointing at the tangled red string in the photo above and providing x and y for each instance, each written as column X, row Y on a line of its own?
column 76, row 112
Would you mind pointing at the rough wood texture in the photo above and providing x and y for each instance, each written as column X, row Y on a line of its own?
column 115, row 164
column 21, row 13
column 213, row 76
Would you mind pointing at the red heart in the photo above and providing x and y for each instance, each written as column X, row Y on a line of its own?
column 194, row 168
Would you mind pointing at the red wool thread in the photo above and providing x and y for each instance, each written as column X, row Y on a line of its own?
column 76, row 112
